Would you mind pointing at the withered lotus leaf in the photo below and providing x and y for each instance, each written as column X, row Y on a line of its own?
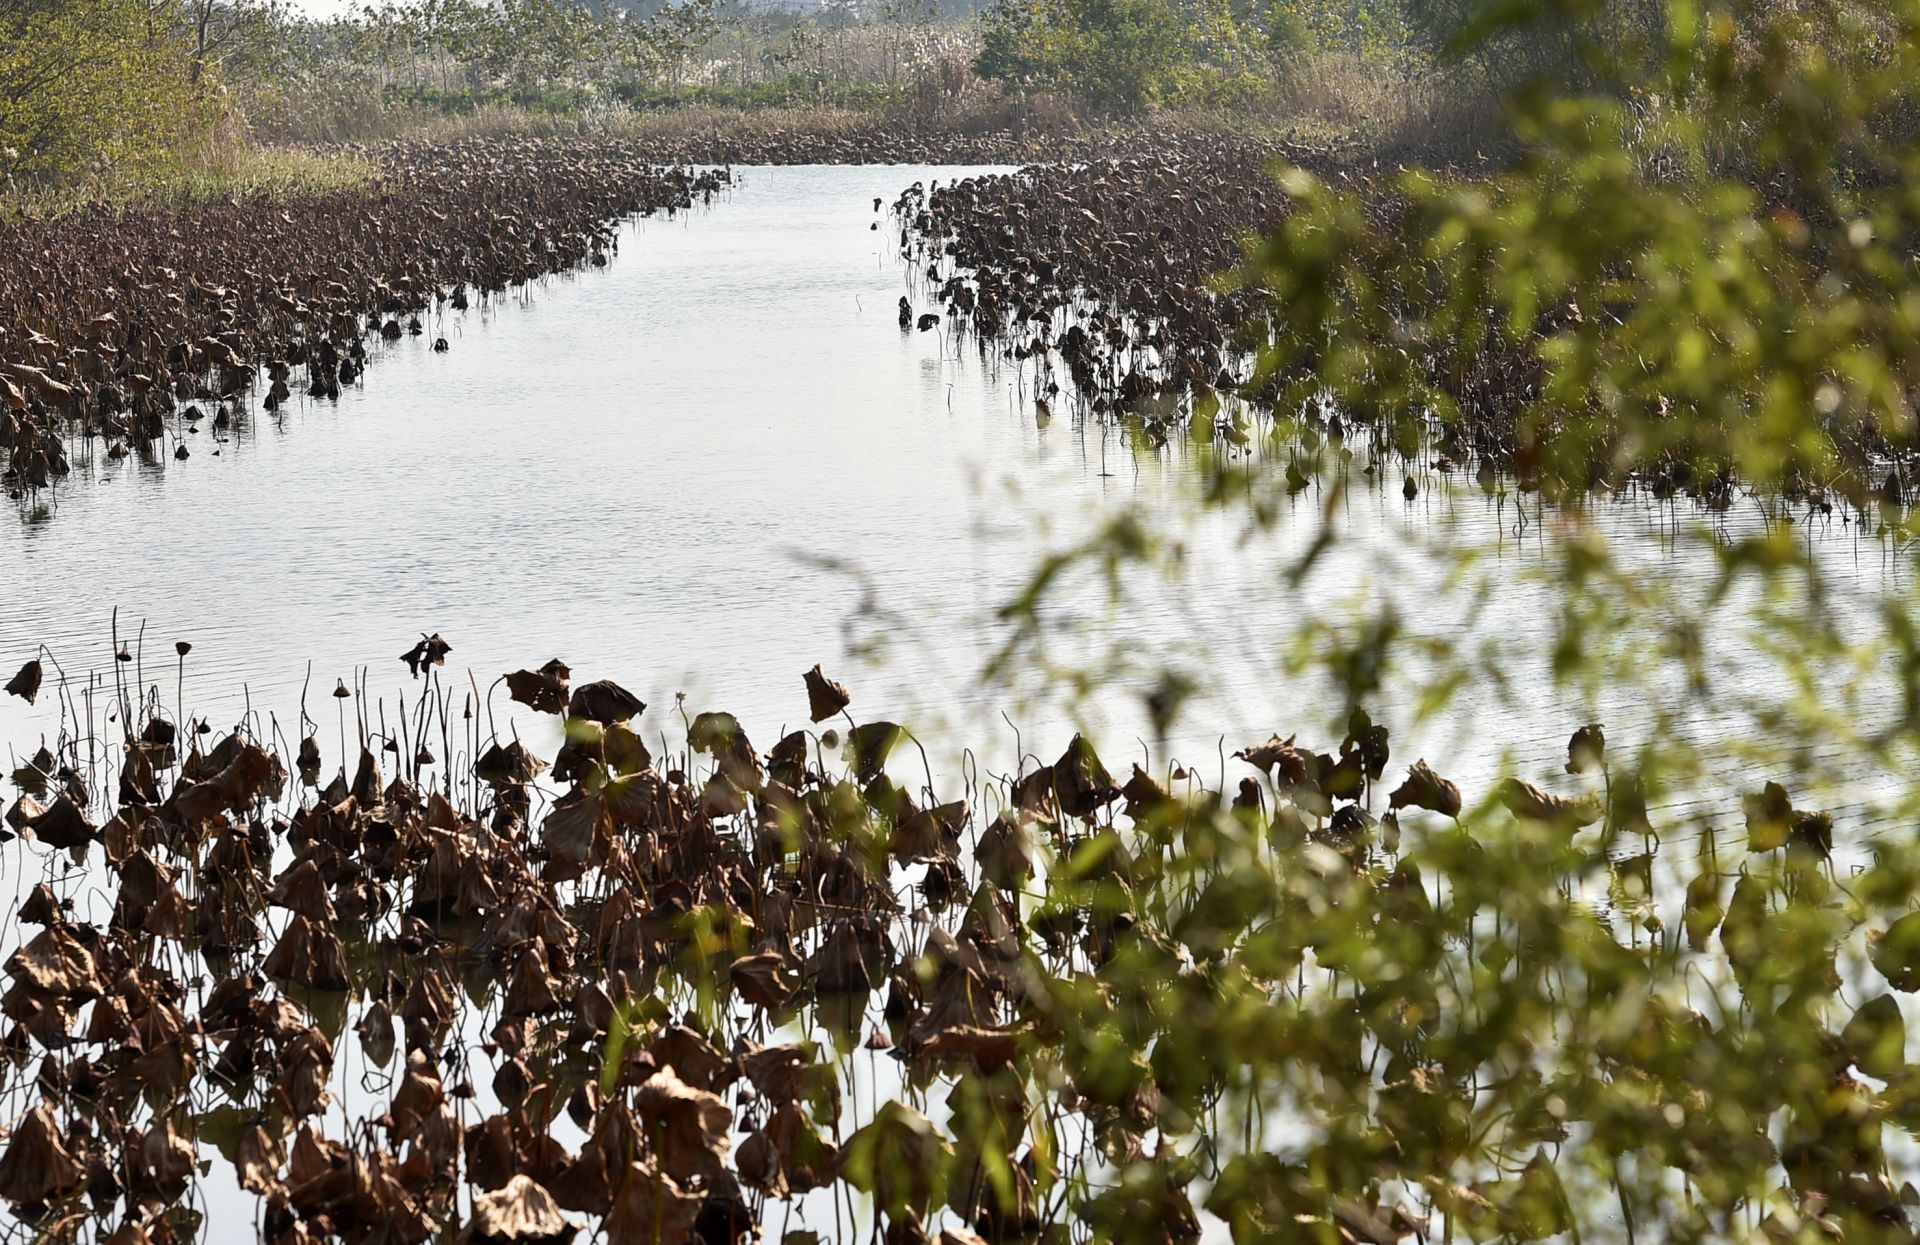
column 37, row 1168
column 1289, row 766
column 690, row 1126
column 1080, row 782
column 762, row 980
column 42, row 906
column 511, row 765
column 518, row 1211
column 165, row 1159
column 26, row 681
column 824, row 696
column 309, row 954
column 1005, row 852
column 1530, row 803
column 571, row 833
column 375, row 1028
column 650, row 1208
column 696, row 1060
column 259, row 1160
column 305, row 1066
column 1425, row 789
column 302, row 890
column 841, row 965
column 63, row 825
column 430, row 650
column 930, row 834
column 870, row 744
column 1587, row 749
column 543, row 690
column 420, row 1095
column 898, row 1157
column 533, row 991
column 55, row 962
column 992, row 1049
column 24, row 810
column 807, row 1159
column 759, row 1165
column 604, row 701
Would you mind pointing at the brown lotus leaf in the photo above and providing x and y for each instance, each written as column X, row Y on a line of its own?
column 930, row 834
column 24, row 810
column 313, row 1156
column 533, row 990
column 824, row 696
column 693, row 1058
column 854, row 957
column 258, row 1161
column 762, row 980
column 430, row 650
column 961, row 1000
column 308, row 954
column 992, row 1049
column 164, row 1071
column 246, row 775
column 759, row 1165
column 492, row 1155
column 518, row 1211
column 543, row 690
column 375, row 1028
column 1081, row 783
column 1529, row 803
column 1587, row 749
column 302, row 890
column 898, row 1157
column 573, row 834
column 1143, row 795
column 306, row 1065
column 869, row 745
column 1425, row 789
column 650, row 1208
column 138, row 781
column 164, row 1160
column 1289, row 766
column 55, row 962
column 420, row 1095
column 429, row 1006
column 604, row 701
column 63, row 825
column 26, row 681
column 787, row 768
column 509, row 765
column 688, row 1126
column 807, row 1159
column 36, row 1168
column 721, row 797
column 366, row 788
column 42, row 906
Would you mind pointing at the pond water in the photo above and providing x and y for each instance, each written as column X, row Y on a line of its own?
column 718, row 462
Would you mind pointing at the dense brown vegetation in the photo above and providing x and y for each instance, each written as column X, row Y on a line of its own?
column 112, row 320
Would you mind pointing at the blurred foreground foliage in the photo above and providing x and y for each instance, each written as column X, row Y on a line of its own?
column 1523, row 1020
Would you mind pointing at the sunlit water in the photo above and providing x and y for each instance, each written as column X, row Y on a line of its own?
column 718, row 462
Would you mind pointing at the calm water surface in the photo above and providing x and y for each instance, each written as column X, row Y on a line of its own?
column 715, row 463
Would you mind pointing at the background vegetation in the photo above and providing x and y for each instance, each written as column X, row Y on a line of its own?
column 98, row 90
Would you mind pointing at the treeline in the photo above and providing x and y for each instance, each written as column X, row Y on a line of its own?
column 88, row 86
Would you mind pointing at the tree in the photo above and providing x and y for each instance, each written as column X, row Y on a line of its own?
column 1118, row 54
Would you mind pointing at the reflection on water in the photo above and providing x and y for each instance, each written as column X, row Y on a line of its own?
column 718, row 462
